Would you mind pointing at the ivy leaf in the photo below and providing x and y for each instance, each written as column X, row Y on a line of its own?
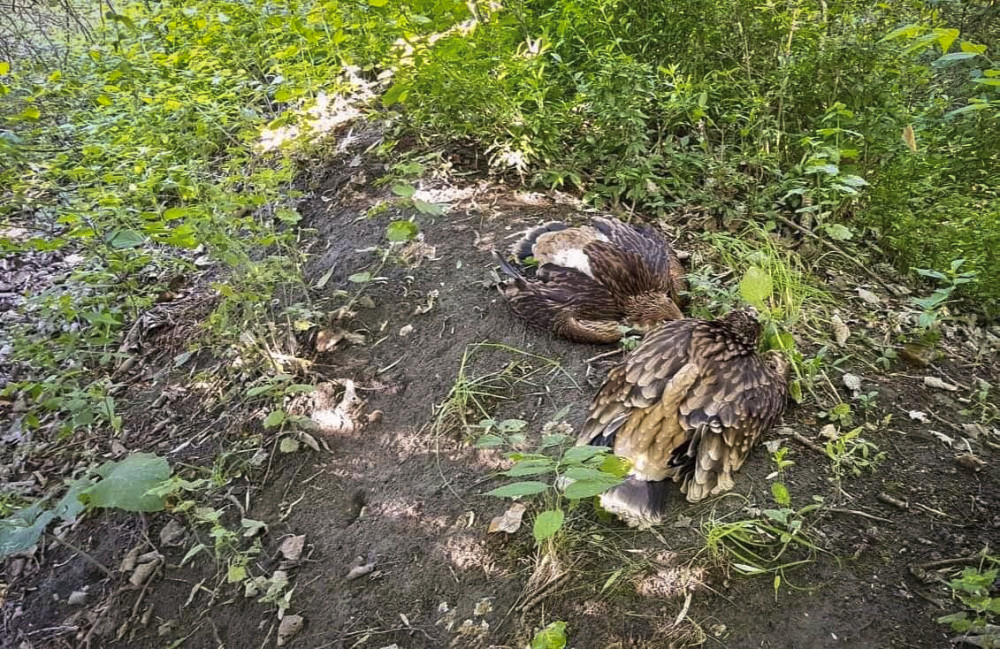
column 124, row 484
column 399, row 231
column 547, row 524
column 756, row 286
column 518, row 489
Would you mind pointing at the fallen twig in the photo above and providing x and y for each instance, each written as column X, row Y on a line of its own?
column 855, row 512
column 895, row 502
column 805, row 441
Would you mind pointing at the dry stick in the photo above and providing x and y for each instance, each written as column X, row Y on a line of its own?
column 837, row 249
column 895, row 502
column 944, row 563
column 855, row 512
column 805, row 441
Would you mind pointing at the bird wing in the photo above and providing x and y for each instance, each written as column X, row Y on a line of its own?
column 637, row 409
column 641, row 239
column 568, row 302
column 726, row 410
column 624, row 272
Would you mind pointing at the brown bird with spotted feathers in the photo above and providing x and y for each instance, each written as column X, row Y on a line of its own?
column 593, row 280
column 687, row 405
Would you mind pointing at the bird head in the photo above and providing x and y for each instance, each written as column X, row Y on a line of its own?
column 647, row 310
column 744, row 326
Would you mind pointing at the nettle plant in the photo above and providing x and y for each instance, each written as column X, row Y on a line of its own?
column 563, row 474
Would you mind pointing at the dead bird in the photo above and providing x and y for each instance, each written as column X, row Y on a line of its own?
column 594, row 282
column 687, row 405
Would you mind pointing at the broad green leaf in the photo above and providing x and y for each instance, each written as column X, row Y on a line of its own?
column 275, row 418
column 616, row 466
column 122, row 239
column 282, row 95
column 590, row 488
column 586, row 473
column 518, row 489
column 288, row 445
column 360, row 278
column 402, row 231
column 852, row 180
column 4, row 67
column 971, row 108
column 906, row 30
column 578, row 454
column 192, row 552
column 31, row 113
column 547, row 524
column 70, row 506
column 756, row 287
column 398, row 92
column 954, row 56
column 428, row 208
column 975, row 48
column 551, row 637
column 511, row 425
column 945, row 38
column 104, row 100
column 839, row 232
column 124, row 484
column 489, row 441
column 530, row 467
column 405, row 191
column 554, row 440
column 828, row 169
column 22, row 529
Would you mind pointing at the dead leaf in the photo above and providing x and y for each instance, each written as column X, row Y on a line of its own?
column 413, row 253
column 342, row 418
column 327, row 339
column 509, row 521
column 829, row 431
column 934, row 382
column 483, row 607
column 289, row 627
column 172, row 533
column 910, row 138
column 853, row 382
column 143, row 572
column 970, row 461
column 361, row 566
column 428, row 305
column 405, row 331
column 868, row 297
column 919, row 415
column 840, row 330
column 291, row 547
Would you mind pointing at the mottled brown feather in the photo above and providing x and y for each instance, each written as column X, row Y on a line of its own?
column 593, row 279
column 690, row 402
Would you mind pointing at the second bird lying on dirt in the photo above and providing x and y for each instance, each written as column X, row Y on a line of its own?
column 688, row 405
column 593, row 279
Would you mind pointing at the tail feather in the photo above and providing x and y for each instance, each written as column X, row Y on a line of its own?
column 638, row 503
column 526, row 246
column 508, row 268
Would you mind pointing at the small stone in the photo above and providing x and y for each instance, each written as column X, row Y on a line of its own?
column 78, row 598
column 289, row 627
